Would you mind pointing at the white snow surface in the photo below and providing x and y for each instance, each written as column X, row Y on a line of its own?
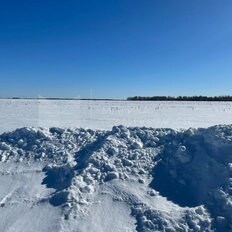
column 122, row 179
column 106, row 114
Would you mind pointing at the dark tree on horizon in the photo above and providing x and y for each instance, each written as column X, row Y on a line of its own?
column 180, row 98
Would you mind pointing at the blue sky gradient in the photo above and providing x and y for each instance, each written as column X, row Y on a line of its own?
column 115, row 48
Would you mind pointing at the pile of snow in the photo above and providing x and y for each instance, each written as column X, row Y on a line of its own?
column 125, row 179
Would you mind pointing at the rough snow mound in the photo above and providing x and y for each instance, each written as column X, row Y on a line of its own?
column 169, row 180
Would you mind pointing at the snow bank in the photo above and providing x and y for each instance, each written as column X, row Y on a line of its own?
column 170, row 180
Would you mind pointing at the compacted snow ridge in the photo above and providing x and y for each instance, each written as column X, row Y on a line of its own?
column 123, row 179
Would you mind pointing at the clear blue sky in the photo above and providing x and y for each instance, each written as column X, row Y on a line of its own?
column 115, row 48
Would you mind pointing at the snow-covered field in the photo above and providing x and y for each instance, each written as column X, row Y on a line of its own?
column 106, row 114
column 59, row 177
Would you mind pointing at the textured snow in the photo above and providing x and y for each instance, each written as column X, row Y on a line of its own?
column 23, row 204
column 106, row 114
column 123, row 179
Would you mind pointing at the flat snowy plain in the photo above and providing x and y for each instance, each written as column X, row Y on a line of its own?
column 56, row 176
column 106, row 114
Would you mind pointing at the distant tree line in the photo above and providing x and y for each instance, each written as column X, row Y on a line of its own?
column 180, row 98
